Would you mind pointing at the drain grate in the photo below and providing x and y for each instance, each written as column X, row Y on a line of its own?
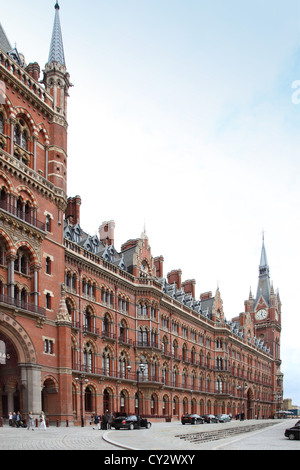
column 207, row 436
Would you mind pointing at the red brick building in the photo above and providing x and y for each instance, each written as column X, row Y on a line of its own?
column 84, row 328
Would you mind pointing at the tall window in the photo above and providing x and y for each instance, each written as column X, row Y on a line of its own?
column 21, row 136
column 87, row 319
column 88, row 358
column 48, row 265
column 22, row 262
column 48, row 301
column 106, row 362
column 48, row 223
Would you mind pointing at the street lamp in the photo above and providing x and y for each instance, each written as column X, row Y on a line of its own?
column 139, row 371
column 81, row 380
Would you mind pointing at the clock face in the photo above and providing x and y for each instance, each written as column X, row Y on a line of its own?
column 261, row 314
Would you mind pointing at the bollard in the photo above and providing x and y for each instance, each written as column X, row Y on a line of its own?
column 36, row 423
column 67, row 423
column 57, row 423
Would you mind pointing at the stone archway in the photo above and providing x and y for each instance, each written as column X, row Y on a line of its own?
column 20, row 375
column 50, row 402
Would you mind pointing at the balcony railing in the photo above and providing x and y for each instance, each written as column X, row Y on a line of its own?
column 5, row 299
column 90, row 329
column 4, row 205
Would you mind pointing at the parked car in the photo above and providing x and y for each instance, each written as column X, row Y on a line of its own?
column 293, row 432
column 192, row 419
column 130, row 422
column 210, row 419
column 223, row 418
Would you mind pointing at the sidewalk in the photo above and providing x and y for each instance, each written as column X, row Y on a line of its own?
column 160, row 436
column 53, row 438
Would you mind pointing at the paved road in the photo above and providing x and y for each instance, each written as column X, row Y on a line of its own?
column 161, row 436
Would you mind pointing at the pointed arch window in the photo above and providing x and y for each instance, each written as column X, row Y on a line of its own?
column 106, row 362
column 88, row 358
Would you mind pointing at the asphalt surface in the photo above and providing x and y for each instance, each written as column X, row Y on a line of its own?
column 161, row 437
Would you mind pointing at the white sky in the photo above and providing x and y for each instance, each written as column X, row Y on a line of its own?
column 183, row 117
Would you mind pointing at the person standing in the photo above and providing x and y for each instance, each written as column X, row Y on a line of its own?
column 19, row 419
column 14, row 420
column 96, row 422
column 42, row 421
column 30, row 421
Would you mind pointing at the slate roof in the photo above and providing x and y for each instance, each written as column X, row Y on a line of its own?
column 5, row 45
column 202, row 307
column 56, row 53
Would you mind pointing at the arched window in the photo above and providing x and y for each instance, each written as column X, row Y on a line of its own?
column 106, row 362
column 175, row 406
column 165, row 405
column 123, row 372
column 2, row 253
column 185, row 405
column 22, row 262
column 72, row 312
column 184, row 353
column 219, row 385
column 88, row 399
column 123, row 331
column 88, row 320
column 88, row 362
column 175, row 377
column 22, row 134
column 175, row 348
column 145, row 374
column 165, row 345
column 107, row 326
column 154, row 404
column 122, row 402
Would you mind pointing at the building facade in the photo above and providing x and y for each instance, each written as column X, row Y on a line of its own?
column 85, row 328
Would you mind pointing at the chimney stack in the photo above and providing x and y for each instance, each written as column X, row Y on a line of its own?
column 175, row 276
column 107, row 232
column 73, row 210
column 159, row 266
column 189, row 287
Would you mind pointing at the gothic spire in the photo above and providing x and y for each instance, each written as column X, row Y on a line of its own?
column 263, row 287
column 56, row 53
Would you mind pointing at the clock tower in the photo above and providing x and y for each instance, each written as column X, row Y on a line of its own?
column 265, row 310
column 267, row 305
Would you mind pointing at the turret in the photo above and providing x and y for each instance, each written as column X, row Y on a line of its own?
column 57, row 84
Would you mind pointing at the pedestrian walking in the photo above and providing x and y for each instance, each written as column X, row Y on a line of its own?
column 96, row 422
column 10, row 418
column 30, row 421
column 42, row 421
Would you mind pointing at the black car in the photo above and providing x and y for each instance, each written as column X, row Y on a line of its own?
column 294, row 432
column 192, row 419
column 210, row 419
column 130, row 422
